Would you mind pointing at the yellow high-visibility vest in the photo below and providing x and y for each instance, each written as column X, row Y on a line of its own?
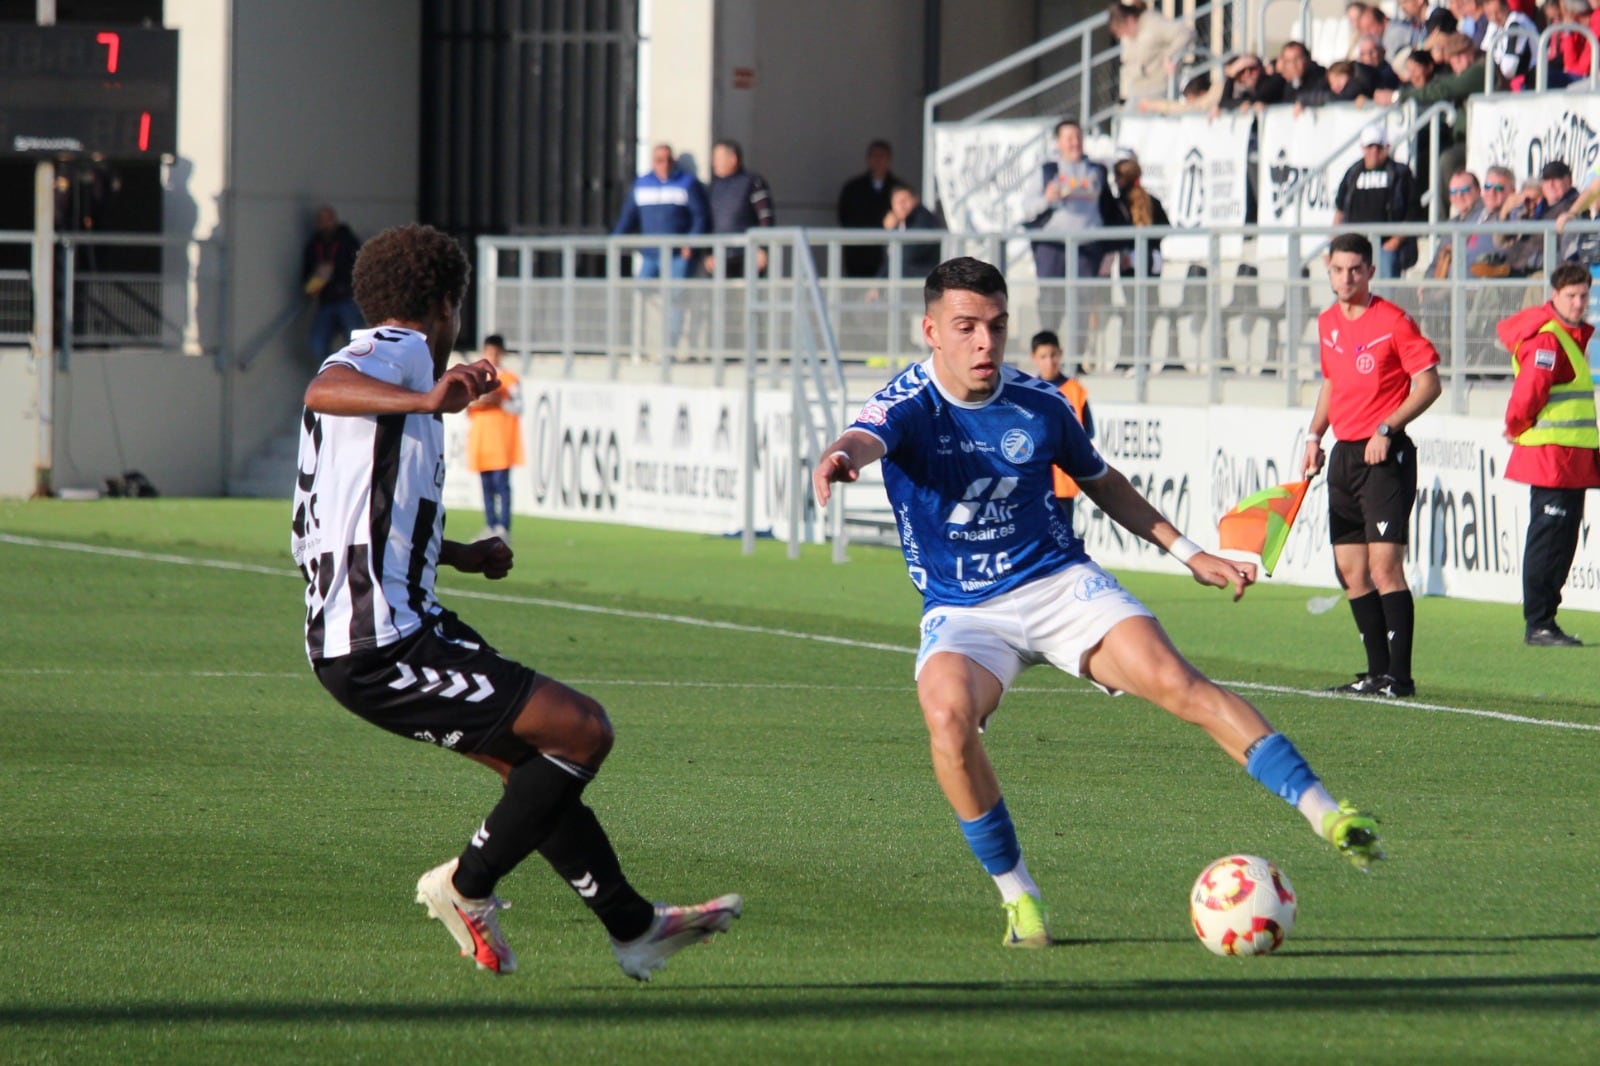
column 1568, row 416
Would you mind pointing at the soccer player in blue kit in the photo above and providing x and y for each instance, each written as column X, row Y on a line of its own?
column 967, row 445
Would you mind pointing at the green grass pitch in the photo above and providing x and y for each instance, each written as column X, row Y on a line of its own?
column 206, row 860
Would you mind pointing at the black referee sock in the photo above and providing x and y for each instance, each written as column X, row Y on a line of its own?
column 537, row 793
column 1400, row 615
column 580, row 852
column 1374, row 629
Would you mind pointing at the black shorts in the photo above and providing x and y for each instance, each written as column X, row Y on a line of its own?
column 1371, row 504
column 441, row 685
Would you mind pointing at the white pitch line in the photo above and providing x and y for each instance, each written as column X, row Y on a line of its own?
column 736, row 627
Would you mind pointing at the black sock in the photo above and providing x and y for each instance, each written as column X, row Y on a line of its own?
column 580, row 852
column 1400, row 615
column 1368, row 610
column 537, row 793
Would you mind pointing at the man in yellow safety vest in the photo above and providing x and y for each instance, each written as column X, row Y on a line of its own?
column 1550, row 422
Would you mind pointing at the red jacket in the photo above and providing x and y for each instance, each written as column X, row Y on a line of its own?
column 1547, row 466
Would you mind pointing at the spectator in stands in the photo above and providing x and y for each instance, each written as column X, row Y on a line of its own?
column 1152, row 44
column 1469, row 19
column 1345, row 83
column 1071, row 195
column 863, row 201
column 1372, row 69
column 327, row 268
column 740, row 201
column 1510, row 40
column 1581, row 206
column 1355, row 12
column 1296, row 74
column 1374, row 23
column 1466, row 206
column 1418, row 69
column 1133, row 207
column 1380, row 189
column 906, row 212
column 1554, row 198
column 1412, row 19
column 665, row 200
column 1245, row 75
column 1550, row 422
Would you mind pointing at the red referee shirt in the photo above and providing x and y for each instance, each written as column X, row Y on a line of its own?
column 1368, row 362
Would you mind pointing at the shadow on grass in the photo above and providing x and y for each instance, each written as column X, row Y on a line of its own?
column 1546, row 994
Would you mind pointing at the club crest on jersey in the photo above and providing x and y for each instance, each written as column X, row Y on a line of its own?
column 873, row 414
column 360, row 348
column 1365, row 364
column 1017, row 446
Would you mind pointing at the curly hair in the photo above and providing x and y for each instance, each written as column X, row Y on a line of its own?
column 404, row 273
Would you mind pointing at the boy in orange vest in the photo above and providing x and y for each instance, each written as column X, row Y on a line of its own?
column 494, row 439
column 1046, row 353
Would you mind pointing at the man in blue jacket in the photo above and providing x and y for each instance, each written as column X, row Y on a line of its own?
column 666, row 200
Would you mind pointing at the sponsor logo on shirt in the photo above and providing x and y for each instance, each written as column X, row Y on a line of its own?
column 873, row 414
column 360, row 348
column 1093, row 588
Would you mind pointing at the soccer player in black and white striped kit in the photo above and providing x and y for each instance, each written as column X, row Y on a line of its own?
column 369, row 538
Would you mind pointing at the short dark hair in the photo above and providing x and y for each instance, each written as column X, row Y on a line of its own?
column 732, row 146
column 1568, row 274
column 964, row 274
column 879, row 143
column 1064, row 123
column 1352, row 242
column 495, row 339
column 1043, row 337
column 404, row 273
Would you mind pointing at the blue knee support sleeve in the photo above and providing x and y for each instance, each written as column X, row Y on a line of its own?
column 1281, row 769
column 993, row 839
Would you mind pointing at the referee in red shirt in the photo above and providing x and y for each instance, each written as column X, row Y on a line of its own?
column 1550, row 422
column 1378, row 374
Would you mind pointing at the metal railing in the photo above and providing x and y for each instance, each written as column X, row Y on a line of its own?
column 115, row 291
column 1221, row 314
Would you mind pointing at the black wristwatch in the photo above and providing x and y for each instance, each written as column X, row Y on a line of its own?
column 1383, row 429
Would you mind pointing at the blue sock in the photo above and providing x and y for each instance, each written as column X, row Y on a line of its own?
column 993, row 839
column 1281, row 769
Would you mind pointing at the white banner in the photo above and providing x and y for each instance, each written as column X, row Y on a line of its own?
column 1524, row 131
column 658, row 456
column 1198, row 169
column 1296, row 146
column 1468, row 522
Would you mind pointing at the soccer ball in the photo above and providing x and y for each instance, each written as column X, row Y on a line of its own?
column 1242, row 905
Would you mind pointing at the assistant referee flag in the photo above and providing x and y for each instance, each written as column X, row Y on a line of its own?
column 1262, row 521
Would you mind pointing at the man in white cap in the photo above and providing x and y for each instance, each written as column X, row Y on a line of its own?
column 1378, row 189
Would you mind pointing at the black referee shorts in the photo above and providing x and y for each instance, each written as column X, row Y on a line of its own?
column 444, row 685
column 1371, row 504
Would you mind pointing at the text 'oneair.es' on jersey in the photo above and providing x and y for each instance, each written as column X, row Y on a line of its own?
column 971, row 483
column 368, row 518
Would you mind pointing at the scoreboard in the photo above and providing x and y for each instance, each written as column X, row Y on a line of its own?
column 82, row 89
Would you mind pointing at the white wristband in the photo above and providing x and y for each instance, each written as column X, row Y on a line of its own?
column 1183, row 549
column 842, row 452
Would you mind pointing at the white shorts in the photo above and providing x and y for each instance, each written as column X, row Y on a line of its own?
column 1057, row 620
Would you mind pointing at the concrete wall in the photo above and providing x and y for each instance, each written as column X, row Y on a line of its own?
column 828, row 77
column 325, row 109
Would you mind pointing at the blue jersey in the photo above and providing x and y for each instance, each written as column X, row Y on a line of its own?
column 971, row 483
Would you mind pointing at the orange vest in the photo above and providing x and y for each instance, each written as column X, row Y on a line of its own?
column 1078, row 397
column 494, row 434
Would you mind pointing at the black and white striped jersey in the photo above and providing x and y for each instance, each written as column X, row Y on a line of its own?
column 368, row 519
